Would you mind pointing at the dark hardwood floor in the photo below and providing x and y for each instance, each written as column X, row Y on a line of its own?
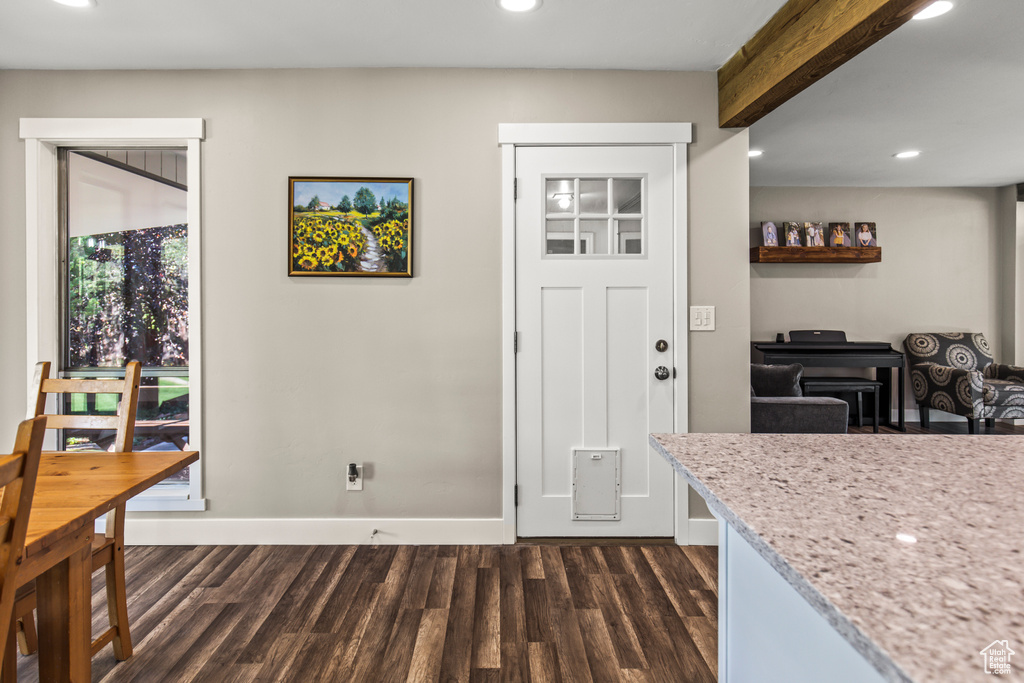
column 936, row 427
column 529, row 612
column 416, row 613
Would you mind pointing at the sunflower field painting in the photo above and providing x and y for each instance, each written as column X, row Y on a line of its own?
column 350, row 226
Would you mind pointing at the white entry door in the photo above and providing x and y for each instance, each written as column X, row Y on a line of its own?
column 594, row 321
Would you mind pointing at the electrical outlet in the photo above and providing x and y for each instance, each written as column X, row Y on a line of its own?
column 356, row 485
column 702, row 318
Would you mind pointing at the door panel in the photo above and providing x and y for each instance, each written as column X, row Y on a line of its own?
column 594, row 279
column 561, row 381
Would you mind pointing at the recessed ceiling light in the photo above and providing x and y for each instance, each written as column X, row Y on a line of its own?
column 519, row 5
column 935, row 9
column 909, row 154
column 77, row 3
column 755, row 152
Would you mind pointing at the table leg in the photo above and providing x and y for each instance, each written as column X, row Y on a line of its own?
column 65, row 616
column 901, row 398
column 884, row 375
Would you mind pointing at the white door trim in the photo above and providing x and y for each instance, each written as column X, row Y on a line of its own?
column 511, row 135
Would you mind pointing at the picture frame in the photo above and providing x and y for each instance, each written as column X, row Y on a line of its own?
column 770, row 234
column 864, row 234
column 791, row 232
column 350, row 226
column 838, row 235
column 814, row 234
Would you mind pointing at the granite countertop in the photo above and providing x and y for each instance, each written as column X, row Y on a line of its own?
column 825, row 511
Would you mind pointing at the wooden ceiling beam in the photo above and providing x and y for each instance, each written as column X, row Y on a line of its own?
column 804, row 41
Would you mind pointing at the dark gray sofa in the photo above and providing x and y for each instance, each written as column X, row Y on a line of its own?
column 777, row 405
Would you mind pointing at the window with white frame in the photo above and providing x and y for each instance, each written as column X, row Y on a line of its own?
column 113, row 218
column 123, row 245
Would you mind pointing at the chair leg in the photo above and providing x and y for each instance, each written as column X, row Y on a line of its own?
column 973, row 426
column 9, row 674
column 876, row 411
column 860, row 409
column 28, row 642
column 990, row 422
column 117, row 605
column 924, row 415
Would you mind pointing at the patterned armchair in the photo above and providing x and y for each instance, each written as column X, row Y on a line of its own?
column 956, row 373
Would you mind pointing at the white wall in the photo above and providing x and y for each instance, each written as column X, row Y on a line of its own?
column 940, row 268
column 304, row 375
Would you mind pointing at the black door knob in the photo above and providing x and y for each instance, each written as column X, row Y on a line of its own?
column 661, row 372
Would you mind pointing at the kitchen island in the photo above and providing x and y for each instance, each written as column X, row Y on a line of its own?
column 862, row 557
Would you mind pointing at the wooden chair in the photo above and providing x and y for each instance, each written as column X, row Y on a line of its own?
column 18, row 479
column 107, row 550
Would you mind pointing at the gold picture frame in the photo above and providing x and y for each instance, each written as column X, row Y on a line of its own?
column 341, row 226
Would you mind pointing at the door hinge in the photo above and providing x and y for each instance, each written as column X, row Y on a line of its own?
column 515, row 342
column 515, row 495
column 673, row 373
column 515, row 189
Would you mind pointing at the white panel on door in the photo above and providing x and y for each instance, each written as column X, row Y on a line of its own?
column 627, row 383
column 561, row 385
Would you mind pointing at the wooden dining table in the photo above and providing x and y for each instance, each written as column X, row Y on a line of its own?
column 72, row 491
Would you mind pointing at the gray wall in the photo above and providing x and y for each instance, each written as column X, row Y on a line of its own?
column 305, row 375
column 941, row 268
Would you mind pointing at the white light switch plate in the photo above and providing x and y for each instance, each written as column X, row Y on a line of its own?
column 702, row 318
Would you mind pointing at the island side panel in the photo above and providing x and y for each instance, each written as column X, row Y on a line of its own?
column 769, row 633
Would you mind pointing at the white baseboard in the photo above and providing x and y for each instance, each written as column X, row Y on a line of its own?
column 703, row 532
column 313, row 531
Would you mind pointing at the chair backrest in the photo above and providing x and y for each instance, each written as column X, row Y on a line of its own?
column 18, row 479
column 963, row 350
column 817, row 336
column 123, row 422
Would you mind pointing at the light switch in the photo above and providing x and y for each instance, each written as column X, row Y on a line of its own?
column 702, row 318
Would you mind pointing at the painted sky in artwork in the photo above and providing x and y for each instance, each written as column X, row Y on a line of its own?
column 332, row 192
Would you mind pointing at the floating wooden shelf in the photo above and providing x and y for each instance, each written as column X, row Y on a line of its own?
column 815, row 254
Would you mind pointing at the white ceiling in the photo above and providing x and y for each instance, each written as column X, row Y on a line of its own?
column 686, row 35
column 952, row 87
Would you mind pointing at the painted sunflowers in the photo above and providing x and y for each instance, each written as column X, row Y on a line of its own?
column 331, row 244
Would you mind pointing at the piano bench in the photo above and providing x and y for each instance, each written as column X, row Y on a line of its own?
column 839, row 385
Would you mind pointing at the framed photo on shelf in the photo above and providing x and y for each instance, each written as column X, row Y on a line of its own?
column 770, row 233
column 792, row 231
column 814, row 235
column 350, row 227
column 839, row 235
column 865, row 235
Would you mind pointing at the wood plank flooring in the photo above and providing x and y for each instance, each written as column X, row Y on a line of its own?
column 562, row 613
column 937, row 427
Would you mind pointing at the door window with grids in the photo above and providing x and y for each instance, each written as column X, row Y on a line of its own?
column 601, row 216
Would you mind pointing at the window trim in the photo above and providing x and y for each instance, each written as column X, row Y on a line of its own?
column 43, row 138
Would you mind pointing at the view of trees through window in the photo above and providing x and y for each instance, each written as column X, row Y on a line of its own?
column 128, row 298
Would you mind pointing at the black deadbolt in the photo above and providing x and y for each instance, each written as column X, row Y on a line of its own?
column 661, row 345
